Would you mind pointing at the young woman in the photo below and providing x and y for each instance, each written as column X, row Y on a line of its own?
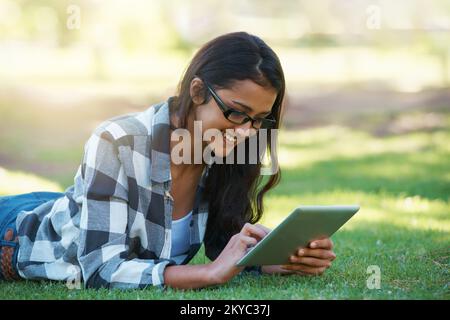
column 134, row 217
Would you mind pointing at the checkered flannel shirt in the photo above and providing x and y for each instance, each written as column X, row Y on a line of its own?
column 112, row 228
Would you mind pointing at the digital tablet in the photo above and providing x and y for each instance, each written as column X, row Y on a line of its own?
column 304, row 224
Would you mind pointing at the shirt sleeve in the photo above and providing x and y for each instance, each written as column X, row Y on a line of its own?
column 104, row 253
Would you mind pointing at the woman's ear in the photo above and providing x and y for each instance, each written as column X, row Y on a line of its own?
column 197, row 91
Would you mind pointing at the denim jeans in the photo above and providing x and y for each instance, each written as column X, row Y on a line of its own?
column 10, row 207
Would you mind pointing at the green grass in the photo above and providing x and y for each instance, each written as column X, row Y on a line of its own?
column 402, row 184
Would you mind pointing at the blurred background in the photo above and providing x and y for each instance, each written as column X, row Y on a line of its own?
column 367, row 115
column 380, row 67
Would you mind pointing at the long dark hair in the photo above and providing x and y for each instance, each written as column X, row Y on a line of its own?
column 234, row 191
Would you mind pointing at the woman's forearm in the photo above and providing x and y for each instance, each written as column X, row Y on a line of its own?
column 189, row 276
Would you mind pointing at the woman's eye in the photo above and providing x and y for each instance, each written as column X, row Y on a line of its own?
column 238, row 112
column 237, row 109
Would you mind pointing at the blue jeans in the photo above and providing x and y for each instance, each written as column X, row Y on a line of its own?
column 10, row 207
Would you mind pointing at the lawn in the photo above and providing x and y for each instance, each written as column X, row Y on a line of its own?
column 402, row 183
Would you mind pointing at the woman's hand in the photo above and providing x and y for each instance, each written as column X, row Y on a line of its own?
column 224, row 267
column 312, row 260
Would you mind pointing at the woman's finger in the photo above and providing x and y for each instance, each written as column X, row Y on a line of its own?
column 266, row 229
column 316, row 253
column 325, row 243
column 253, row 231
column 312, row 262
column 245, row 242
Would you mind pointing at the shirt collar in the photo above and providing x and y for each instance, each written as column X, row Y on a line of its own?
column 160, row 146
column 160, row 143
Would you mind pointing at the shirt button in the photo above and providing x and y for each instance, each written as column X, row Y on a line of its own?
column 191, row 223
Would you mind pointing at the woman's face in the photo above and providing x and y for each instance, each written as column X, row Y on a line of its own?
column 245, row 96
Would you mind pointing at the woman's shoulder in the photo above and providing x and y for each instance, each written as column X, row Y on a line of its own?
column 134, row 124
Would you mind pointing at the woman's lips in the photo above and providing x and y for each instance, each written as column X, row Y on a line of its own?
column 228, row 142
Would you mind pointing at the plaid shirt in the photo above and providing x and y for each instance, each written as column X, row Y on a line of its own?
column 112, row 228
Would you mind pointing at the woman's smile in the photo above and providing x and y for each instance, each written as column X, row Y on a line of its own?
column 229, row 140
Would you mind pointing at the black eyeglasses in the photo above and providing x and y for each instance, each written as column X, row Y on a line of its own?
column 239, row 117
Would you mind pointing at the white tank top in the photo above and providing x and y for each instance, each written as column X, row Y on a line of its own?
column 181, row 235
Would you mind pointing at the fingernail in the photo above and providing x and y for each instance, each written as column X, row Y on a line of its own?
column 301, row 252
column 313, row 245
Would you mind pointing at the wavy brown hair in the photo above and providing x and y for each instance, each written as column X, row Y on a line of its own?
column 234, row 191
